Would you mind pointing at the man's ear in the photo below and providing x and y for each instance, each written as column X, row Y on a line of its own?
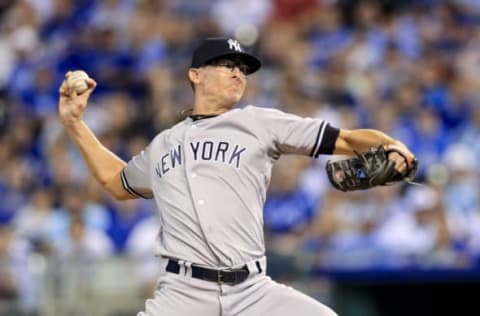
column 194, row 75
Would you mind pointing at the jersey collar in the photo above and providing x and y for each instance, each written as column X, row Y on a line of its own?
column 196, row 117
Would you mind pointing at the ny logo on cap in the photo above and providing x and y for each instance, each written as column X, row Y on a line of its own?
column 234, row 45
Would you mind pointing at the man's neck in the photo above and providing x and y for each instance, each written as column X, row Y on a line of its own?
column 209, row 107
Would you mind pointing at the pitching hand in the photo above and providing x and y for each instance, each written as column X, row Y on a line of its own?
column 72, row 105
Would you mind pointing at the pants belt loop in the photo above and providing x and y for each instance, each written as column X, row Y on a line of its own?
column 183, row 269
column 256, row 266
column 188, row 269
column 251, row 267
column 259, row 267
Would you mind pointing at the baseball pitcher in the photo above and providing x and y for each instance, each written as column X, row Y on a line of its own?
column 209, row 176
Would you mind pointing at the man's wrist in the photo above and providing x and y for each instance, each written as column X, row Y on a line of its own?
column 74, row 126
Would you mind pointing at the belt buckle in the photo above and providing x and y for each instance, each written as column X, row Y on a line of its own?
column 220, row 277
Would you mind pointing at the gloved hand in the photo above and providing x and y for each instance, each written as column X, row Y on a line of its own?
column 369, row 169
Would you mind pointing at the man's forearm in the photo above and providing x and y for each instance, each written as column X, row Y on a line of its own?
column 103, row 163
column 361, row 140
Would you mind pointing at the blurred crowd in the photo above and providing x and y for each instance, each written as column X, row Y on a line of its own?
column 408, row 68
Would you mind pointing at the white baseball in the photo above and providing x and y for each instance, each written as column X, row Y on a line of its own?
column 77, row 79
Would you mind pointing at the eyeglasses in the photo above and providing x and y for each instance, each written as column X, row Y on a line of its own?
column 230, row 64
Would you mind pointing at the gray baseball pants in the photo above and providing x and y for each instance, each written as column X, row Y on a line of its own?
column 182, row 295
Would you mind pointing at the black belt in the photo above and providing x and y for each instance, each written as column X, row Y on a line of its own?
column 230, row 277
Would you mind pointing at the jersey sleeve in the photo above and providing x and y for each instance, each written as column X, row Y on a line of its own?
column 292, row 134
column 136, row 176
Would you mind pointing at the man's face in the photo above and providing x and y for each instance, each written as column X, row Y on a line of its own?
column 224, row 80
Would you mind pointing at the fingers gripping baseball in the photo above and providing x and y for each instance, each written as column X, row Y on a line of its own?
column 75, row 91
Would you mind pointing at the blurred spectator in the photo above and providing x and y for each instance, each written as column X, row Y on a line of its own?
column 329, row 36
column 84, row 243
column 18, row 287
column 429, row 138
column 288, row 10
column 140, row 247
column 241, row 18
column 77, row 204
column 75, row 263
column 289, row 207
column 61, row 231
column 461, row 198
column 347, row 228
column 417, row 234
column 124, row 216
column 15, row 182
column 38, row 222
column 470, row 131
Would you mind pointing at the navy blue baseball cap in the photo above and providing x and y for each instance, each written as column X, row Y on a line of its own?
column 223, row 47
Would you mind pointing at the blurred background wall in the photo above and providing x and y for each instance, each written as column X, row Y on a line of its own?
column 408, row 68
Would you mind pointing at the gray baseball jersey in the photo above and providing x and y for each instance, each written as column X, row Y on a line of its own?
column 209, row 178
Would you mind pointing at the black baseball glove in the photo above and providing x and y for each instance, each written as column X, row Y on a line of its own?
column 368, row 169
